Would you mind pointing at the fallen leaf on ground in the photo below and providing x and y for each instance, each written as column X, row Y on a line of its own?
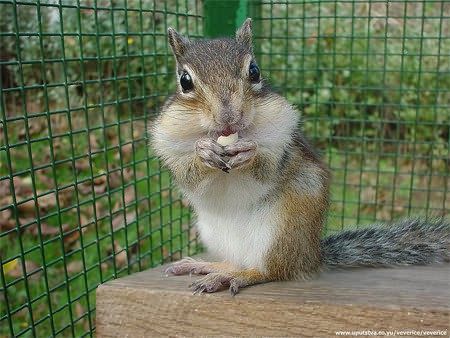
column 26, row 207
column 11, row 265
column 86, row 187
column 119, row 221
column 104, row 266
column 128, row 174
column 6, row 222
column 23, row 185
column 99, row 208
column 47, row 201
column 125, row 153
column 93, row 142
column 74, row 267
column 71, row 238
column 129, row 195
column 65, row 195
column 81, row 311
column 43, row 203
column 6, row 200
column 99, row 180
column 82, row 164
column 17, row 271
column 49, row 230
column 34, row 127
column 114, row 179
column 99, row 188
column 120, row 255
column 5, row 189
column 27, row 221
column 84, row 223
column 133, row 248
column 45, row 179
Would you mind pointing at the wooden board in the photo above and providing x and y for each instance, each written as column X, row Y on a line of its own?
column 407, row 300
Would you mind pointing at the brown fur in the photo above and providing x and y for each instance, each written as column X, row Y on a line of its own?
column 301, row 213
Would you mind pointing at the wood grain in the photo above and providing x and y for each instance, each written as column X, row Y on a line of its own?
column 150, row 304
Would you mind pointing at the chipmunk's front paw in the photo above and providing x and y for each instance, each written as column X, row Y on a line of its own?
column 187, row 265
column 211, row 154
column 241, row 153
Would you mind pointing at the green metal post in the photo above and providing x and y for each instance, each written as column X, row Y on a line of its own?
column 222, row 18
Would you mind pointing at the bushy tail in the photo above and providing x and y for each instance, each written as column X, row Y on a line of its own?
column 408, row 242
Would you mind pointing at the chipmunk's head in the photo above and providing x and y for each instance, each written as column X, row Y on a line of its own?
column 218, row 79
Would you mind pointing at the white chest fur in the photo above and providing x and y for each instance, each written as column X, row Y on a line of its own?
column 234, row 222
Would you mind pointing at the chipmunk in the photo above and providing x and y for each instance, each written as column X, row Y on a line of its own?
column 261, row 200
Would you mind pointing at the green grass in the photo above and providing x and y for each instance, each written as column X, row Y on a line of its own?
column 382, row 189
column 94, row 244
column 371, row 81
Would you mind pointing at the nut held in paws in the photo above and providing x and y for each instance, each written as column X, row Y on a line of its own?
column 226, row 140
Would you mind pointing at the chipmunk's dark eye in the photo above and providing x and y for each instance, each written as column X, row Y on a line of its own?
column 253, row 73
column 186, row 82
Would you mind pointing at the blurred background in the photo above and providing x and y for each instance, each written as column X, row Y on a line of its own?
column 82, row 198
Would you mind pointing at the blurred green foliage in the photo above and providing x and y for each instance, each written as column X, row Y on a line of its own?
column 82, row 79
column 373, row 72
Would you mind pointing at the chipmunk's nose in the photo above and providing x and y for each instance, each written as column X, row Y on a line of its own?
column 230, row 115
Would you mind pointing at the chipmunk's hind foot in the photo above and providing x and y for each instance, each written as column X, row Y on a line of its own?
column 235, row 280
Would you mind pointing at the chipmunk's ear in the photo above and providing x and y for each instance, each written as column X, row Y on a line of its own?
column 244, row 34
column 177, row 42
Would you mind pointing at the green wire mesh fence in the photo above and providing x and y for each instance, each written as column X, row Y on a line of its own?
column 82, row 199
column 372, row 80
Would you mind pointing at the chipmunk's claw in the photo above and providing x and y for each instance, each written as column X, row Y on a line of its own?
column 234, row 288
column 200, row 288
column 211, row 283
column 211, row 154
